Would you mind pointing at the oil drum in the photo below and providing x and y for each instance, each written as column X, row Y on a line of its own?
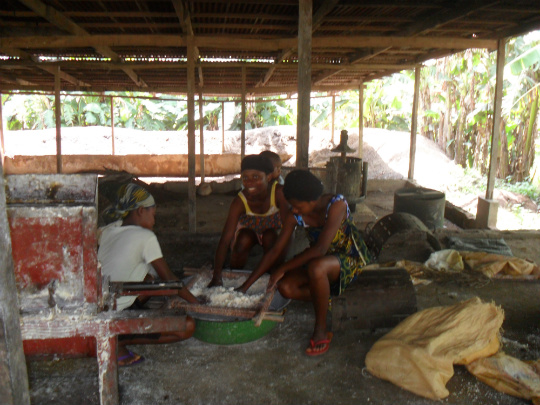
column 424, row 203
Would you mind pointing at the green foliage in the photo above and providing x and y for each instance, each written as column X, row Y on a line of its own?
column 263, row 114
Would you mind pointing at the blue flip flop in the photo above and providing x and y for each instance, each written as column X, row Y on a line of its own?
column 132, row 359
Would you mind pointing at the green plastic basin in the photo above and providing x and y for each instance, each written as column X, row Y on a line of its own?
column 231, row 332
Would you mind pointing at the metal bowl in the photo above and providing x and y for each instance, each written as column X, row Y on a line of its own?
column 227, row 330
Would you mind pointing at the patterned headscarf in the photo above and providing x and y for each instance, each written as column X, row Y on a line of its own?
column 129, row 197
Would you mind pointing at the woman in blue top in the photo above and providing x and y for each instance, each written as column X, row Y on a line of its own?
column 335, row 256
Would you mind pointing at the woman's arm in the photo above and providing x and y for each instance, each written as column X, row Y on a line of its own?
column 227, row 235
column 336, row 214
column 282, row 204
column 165, row 273
column 270, row 257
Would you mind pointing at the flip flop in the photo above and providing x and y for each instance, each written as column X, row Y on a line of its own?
column 130, row 359
column 325, row 343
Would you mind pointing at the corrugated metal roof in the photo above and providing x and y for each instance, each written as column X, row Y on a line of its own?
column 141, row 44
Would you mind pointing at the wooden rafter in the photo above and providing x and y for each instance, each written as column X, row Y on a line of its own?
column 242, row 43
column 65, row 23
column 49, row 69
column 184, row 18
column 323, row 10
column 105, row 44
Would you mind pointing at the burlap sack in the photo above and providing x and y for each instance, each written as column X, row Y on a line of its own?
column 418, row 354
column 493, row 265
column 509, row 375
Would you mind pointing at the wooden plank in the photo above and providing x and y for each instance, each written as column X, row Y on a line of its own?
column 6, row 393
column 241, row 43
column 304, row 82
column 9, row 310
column 414, row 122
column 58, row 19
column 107, row 358
column 375, row 299
column 73, row 323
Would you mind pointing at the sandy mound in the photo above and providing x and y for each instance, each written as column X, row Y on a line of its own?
column 387, row 153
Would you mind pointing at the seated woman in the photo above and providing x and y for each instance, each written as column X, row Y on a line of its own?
column 129, row 251
column 336, row 252
column 255, row 216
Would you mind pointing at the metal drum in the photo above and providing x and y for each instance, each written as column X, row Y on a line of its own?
column 347, row 176
column 424, row 203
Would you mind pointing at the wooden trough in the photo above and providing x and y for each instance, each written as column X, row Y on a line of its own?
column 230, row 325
column 376, row 299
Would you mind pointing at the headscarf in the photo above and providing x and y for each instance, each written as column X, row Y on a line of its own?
column 129, row 197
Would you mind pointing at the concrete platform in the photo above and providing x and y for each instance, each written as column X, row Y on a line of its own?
column 274, row 369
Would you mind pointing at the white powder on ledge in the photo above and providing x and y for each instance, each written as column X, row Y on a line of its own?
column 225, row 296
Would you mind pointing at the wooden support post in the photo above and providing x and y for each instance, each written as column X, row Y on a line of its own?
column 333, row 117
column 361, row 120
column 222, row 127
column 201, row 136
column 58, row 119
column 496, row 130
column 243, row 129
column 107, row 356
column 192, row 208
column 14, row 377
column 414, row 122
column 2, row 145
column 305, row 22
column 112, row 125
column 487, row 208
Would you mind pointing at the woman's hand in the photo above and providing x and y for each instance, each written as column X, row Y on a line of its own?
column 274, row 278
column 241, row 289
column 216, row 281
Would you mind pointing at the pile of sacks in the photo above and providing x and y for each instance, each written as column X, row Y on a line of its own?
column 419, row 354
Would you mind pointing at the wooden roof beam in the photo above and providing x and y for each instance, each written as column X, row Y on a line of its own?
column 318, row 17
column 15, row 80
column 184, row 18
column 49, row 69
column 61, row 21
column 232, row 43
column 14, row 64
column 431, row 20
column 353, row 59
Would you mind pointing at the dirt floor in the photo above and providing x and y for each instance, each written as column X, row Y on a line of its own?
column 274, row 369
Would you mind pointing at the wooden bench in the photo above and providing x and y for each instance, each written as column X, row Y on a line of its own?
column 63, row 301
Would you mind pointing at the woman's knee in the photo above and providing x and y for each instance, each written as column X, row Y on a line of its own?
column 244, row 242
column 269, row 238
column 284, row 290
column 316, row 270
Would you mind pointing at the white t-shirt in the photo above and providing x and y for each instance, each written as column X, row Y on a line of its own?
column 125, row 254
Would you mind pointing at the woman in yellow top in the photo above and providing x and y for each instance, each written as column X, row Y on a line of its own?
column 255, row 216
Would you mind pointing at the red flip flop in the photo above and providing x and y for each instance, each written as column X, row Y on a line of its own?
column 325, row 343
